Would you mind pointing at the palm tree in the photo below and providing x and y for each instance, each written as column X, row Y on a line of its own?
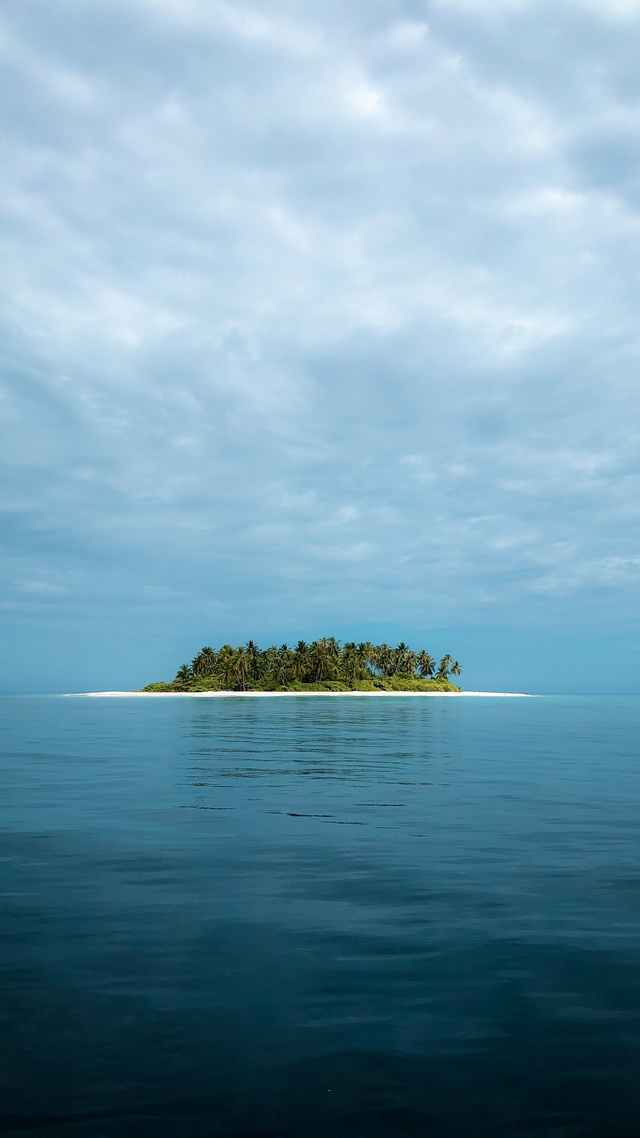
column 253, row 659
column 324, row 656
column 400, row 658
column 332, row 650
column 226, row 659
column 283, row 664
column 300, row 662
column 204, row 663
column 383, row 659
column 351, row 663
column 208, row 655
column 455, row 668
column 184, row 676
column 366, row 653
column 240, row 668
column 426, row 664
column 444, row 667
column 318, row 659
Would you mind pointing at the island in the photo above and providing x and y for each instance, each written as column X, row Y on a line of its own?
column 322, row 666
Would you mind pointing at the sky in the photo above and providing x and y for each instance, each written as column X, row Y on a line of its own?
column 320, row 319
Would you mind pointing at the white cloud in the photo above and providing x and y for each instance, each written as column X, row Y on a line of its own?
column 615, row 10
column 328, row 304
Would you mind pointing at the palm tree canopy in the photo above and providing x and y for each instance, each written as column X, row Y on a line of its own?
column 322, row 662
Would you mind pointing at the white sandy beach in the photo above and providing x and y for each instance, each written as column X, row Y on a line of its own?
column 301, row 694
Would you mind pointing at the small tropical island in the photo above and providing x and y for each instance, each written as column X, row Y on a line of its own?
column 322, row 666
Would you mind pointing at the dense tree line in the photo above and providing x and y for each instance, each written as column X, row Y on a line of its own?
column 323, row 664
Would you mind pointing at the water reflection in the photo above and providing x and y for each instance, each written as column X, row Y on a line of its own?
column 347, row 918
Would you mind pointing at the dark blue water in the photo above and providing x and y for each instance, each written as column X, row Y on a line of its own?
column 353, row 917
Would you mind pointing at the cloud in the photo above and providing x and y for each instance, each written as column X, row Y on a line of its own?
column 332, row 308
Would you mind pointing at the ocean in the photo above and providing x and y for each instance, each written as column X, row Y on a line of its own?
column 350, row 918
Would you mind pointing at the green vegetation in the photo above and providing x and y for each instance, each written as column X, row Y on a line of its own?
column 321, row 666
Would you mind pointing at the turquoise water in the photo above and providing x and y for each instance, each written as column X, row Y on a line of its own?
column 320, row 917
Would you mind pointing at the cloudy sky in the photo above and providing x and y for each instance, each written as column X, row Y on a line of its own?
column 320, row 318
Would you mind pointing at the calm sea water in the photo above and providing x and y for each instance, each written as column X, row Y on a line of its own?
column 320, row 917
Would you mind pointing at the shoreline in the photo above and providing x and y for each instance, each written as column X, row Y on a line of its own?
column 299, row 694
